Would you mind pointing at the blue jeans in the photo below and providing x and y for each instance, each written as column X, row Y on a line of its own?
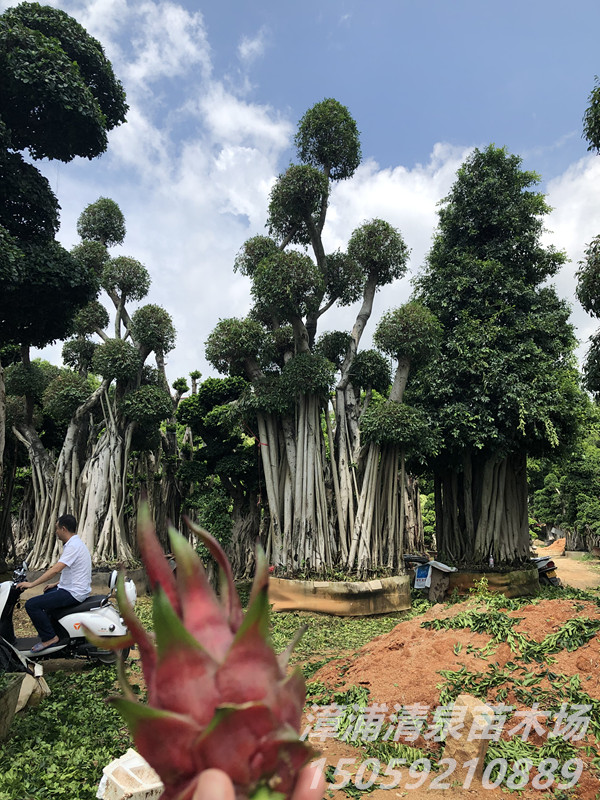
column 36, row 607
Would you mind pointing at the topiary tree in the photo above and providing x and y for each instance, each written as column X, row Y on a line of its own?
column 407, row 334
column 222, row 463
column 504, row 384
column 276, row 348
column 112, row 441
column 58, row 99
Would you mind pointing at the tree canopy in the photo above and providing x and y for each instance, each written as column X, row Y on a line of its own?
column 58, row 99
column 58, row 92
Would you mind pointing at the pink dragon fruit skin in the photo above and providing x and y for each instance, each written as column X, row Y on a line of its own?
column 218, row 695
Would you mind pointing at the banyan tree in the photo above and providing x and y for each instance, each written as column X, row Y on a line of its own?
column 307, row 393
column 109, row 401
column 504, row 385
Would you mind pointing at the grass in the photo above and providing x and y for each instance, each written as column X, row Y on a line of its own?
column 57, row 750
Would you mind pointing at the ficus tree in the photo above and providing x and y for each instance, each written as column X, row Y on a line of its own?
column 566, row 489
column 58, row 99
column 408, row 335
column 112, row 442
column 222, row 463
column 309, row 454
column 504, row 384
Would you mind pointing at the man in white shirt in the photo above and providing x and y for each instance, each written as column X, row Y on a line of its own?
column 75, row 584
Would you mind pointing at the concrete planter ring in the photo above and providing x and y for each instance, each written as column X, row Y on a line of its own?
column 9, row 697
column 518, row 583
column 341, row 598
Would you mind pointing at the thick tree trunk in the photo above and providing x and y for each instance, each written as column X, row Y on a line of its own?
column 481, row 512
column 2, row 432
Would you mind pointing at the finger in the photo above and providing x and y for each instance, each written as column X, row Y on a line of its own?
column 214, row 784
column 310, row 784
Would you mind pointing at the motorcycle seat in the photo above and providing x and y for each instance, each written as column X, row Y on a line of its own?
column 86, row 605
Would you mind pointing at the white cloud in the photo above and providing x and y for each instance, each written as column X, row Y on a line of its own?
column 251, row 48
column 230, row 120
column 193, row 167
column 573, row 223
column 168, row 41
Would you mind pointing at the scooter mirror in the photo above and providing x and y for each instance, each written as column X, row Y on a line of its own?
column 130, row 592
column 24, row 567
column 113, row 579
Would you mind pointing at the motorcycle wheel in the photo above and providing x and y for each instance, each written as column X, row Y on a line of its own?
column 111, row 657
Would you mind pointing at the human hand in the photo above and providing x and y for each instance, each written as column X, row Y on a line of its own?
column 24, row 585
column 214, row 784
column 50, row 586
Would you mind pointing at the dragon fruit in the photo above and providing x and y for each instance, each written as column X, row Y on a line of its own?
column 218, row 695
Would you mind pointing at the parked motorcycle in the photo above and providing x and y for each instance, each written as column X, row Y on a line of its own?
column 546, row 571
column 98, row 613
column 429, row 575
column 422, row 568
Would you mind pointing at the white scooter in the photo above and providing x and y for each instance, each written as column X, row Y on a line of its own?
column 96, row 613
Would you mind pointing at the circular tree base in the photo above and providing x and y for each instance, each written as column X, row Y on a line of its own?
column 9, row 697
column 341, row 598
column 519, row 583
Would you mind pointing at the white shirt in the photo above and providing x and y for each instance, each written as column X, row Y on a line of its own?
column 76, row 577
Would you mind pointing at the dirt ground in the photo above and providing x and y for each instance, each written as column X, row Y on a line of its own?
column 403, row 667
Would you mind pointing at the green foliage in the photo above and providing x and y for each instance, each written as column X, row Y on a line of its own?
column 10, row 254
column 428, row 513
column 116, row 359
column 30, row 379
column 148, row 405
column 505, row 379
column 232, row 343
column 568, row 492
column 267, row 394
column 344, row 278
column 63, row 396
column 39, row 298
column 328, row 138
column 371, row 370
column 588, row 279
column 399, row 424
column 28, row 208
column 282, row 342
column 307, row 373
column 92, row 255
column 325, row 634
column 78, row 354
column 591, row 119
column 180, row 385
column 333, row 345
column 58, row 93
column 591, row 366
column 213, row 512
column 380, row 251
column 126, row 276
column 91, row 318
column 588, row 293
column 152, row 328
column 288, row 284
column 410, row 332
column 102, row 222
column 252, row 253
column 295, row 199
column 57, row 749
column 212, row 392
column 58, row 99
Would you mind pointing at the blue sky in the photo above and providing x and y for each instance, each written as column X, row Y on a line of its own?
column 217, row 88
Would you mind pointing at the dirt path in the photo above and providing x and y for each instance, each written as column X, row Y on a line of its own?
column 577, row 573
